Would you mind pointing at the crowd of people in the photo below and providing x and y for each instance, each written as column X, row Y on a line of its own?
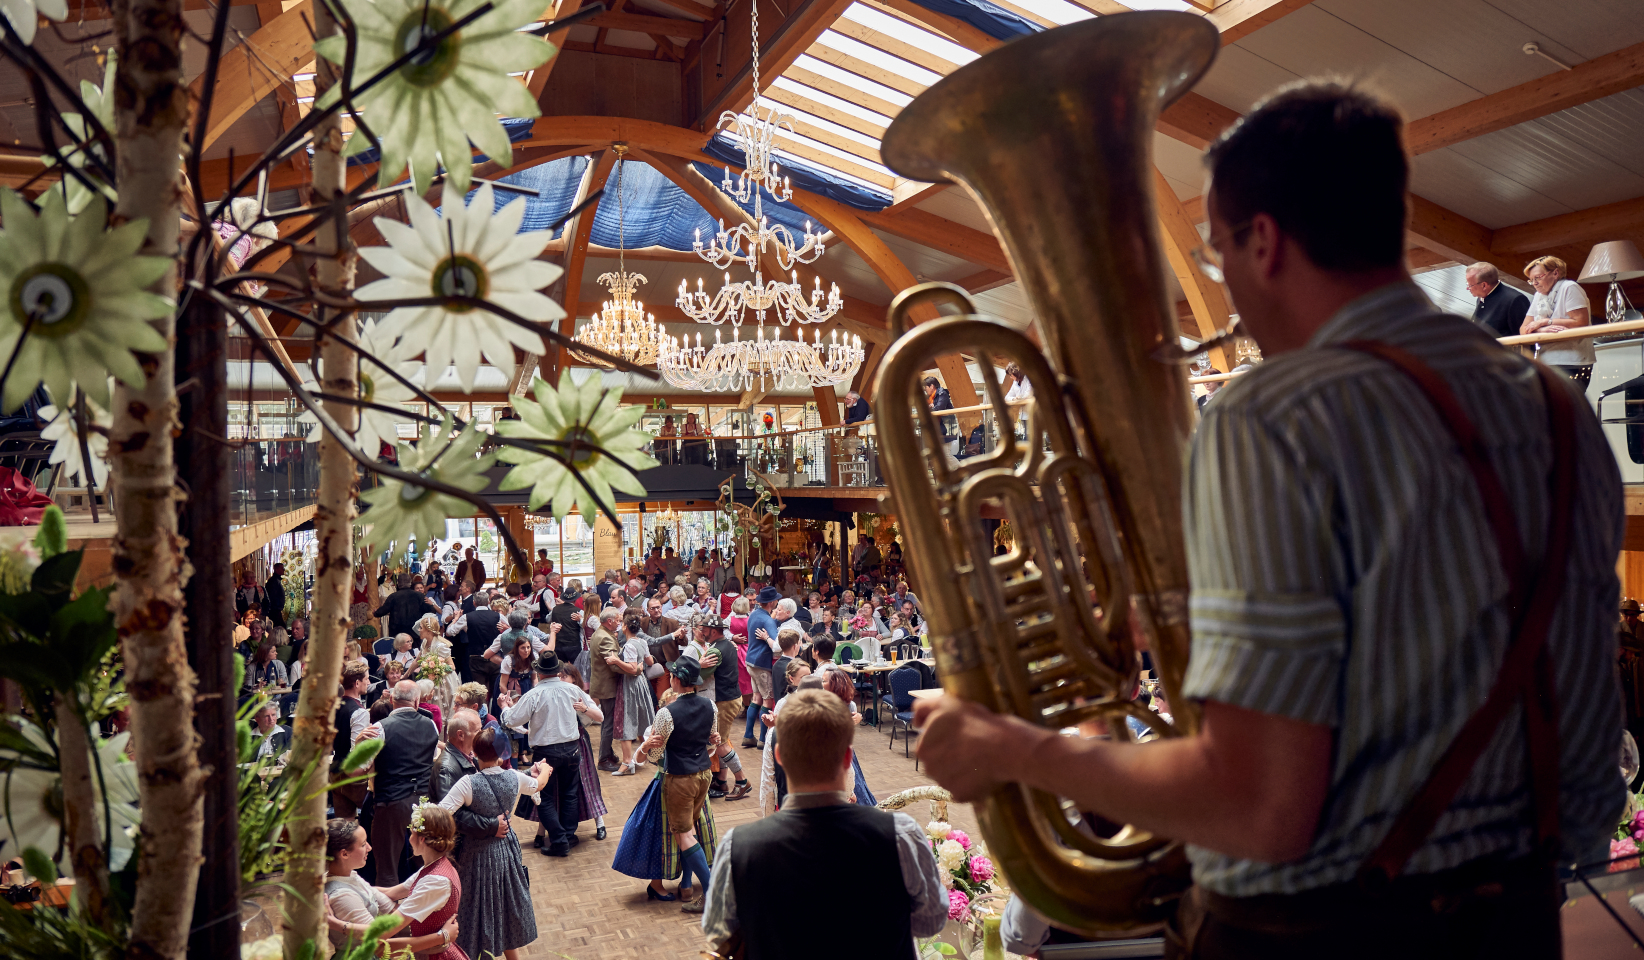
column 487, row 698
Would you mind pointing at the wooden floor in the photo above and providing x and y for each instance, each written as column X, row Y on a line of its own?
column 587, row 911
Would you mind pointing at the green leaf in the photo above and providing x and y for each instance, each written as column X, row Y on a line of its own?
column 40, row 865
column 239, row 673
column 57, row 574
column 242, row 740
column 363, row 753
column 52, row 538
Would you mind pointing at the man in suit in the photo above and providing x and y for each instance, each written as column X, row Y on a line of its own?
column 603, row 684
column 274, row 596
column 471, row 632
column 1500, row 309
column 473, row 569
column 403, row 773
column 403, row 608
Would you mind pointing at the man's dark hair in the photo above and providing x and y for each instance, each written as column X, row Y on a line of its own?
column 403, row 581
column 932, row 382
column 1326, row 161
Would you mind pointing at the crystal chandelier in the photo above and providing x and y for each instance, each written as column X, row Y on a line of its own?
column 621, row 327
column 747, row 242
column 772, row 363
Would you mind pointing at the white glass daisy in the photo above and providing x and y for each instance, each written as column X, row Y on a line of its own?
column 61, row 430
column 400, row 512
column 33, row 798
column 474, row 252
column 25, row 14
column 78, row 289
column 427, row 112
column 589, row 415
column 377, row 385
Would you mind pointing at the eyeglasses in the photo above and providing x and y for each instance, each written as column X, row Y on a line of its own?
column 1209, row 260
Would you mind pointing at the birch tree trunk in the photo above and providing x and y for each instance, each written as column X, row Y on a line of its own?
column 151, row 110
column 313, row 730
column 80, row 810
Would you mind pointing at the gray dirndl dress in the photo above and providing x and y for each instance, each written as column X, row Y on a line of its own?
column 634, row 709
column 495, row 913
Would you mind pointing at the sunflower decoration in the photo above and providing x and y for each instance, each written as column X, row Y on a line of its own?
column 402, row 511
column 24, row 15
column 474, row 251
column 377, row 385
column 427, row 111
column 77, row 288
column 63, row 431
column 598, row 445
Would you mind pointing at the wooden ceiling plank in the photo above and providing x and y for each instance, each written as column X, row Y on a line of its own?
column 862, row 68
column 986, row 280
column 691, row 8
column 952, row 28
column 1237, row 19
column 610, row 50
column 1196, row 120
column 538, row 80
column 911, row 193
column 1559, row 90
column 804, row 24
column 1610, row 221
column 640, row 23
column 789, row 98
column 282, row 46
column 810, row 154
column 930, row 230
column 836, row 140
column 893, row 46
column 843, row 91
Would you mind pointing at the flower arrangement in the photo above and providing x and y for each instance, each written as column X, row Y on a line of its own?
column 430, row 667
column 1628, row 841
column 966, row 871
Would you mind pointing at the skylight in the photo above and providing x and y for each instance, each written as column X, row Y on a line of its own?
column 832, row 127
column 821, row 147
column 829, row 100
column 1058, row 11
column 852, row 80
column 908, row 33
column 879, row 58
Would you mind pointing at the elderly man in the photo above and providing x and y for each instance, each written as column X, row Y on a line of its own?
column 719, row 667
column 403, row 773
column 473, row 696
column 272, row 739
column 762, row 650
column 553, row 710
column 456, row 762
column 603, row 682
column 1500, row 309
column 856, row 408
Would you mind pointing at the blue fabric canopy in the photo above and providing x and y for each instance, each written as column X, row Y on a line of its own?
column 519, row 128
column 996, row 22
column 804, row 176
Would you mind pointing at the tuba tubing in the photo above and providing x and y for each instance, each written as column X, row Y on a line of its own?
column 1051, row 134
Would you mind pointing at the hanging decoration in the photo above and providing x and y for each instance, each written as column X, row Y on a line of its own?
column 770, row 362
column 621, row 327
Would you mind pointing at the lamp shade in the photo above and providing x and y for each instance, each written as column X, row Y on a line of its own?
column 1611, row 261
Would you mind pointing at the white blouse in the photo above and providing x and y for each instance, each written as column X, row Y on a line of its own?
column 1565, row 296
column 428, row 894
column 462, row 792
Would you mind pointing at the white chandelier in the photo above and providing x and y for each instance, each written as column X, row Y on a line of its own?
column 621, row 327
column 773, row 363
column 747, row 242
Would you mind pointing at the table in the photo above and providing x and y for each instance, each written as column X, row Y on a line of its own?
column 928, row 694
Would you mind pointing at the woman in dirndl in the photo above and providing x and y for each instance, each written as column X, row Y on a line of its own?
column 645, row 850
column 591, row 801
column 496, row 916
column 634, row 710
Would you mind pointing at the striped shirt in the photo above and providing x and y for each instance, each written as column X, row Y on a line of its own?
column 1344, row 575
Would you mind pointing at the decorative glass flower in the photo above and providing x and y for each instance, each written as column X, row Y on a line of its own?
column 401, row 511
column 34, row 798
column 100, row 101
column 428, row 110
column 589, row 414
column 78, row 288
column 469, row 252
column 25, row 14
column 377, row 427
column 60, row 430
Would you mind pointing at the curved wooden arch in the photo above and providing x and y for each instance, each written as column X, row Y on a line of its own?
column 282, row 46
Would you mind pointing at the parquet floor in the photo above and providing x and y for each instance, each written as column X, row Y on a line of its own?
column 587, row 911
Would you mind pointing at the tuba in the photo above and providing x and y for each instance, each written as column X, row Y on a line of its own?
column 1051, row 136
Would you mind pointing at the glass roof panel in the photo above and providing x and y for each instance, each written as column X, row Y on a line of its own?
column 908, row 33
column 850, row 79
column 879, row 58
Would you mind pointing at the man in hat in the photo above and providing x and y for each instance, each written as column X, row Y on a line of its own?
column 760, row 652
column 720, row 660
column 566, row 613
column 684, row 731
column 553, row 710
column 603, row 684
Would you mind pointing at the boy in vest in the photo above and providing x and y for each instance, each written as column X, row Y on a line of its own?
column 821, row 835
column 683, row 732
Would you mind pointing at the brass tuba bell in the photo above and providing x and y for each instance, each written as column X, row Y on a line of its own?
column 1051, row 135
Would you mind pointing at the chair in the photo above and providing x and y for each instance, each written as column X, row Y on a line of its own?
column 903, row 680
column 846, row 652
column 383, row 647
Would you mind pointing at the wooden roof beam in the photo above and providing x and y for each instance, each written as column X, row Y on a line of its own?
column 640, row 23
column 943, row 25
column 795, row 101
column 538, row 79
column 938, row 233
column 579, row 229
column 283, row 46
column 804, row 23
column 843, row 91
column 893, row 46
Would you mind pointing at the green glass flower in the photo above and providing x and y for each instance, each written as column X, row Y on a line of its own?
column 25, row 14
column 100, row 101
column 587, row 413
column 400, row 511
column 429, row 110
column 78, row 287
column 474, row 250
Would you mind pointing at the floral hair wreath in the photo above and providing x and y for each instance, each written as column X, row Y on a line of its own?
column 417, row 823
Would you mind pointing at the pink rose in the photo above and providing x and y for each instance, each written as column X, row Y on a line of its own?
column 981, row 869
column 961, row 838
column 1618, row 848
column 958, row 905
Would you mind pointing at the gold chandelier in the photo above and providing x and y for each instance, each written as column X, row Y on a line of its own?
column 621, row 327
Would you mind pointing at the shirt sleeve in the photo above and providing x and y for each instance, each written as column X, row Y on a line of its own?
column 1572, row 297
column 357, row 724
column 459, row 795
column 662, row 726
column 349, row 907
column 719, row 908
column 921, row 877
column 457, row 626
column 427, row 895
column 527, row 783
column 1022, row 930
column 1269, row 631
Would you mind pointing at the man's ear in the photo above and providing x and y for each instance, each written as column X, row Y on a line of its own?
column 850, row 752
